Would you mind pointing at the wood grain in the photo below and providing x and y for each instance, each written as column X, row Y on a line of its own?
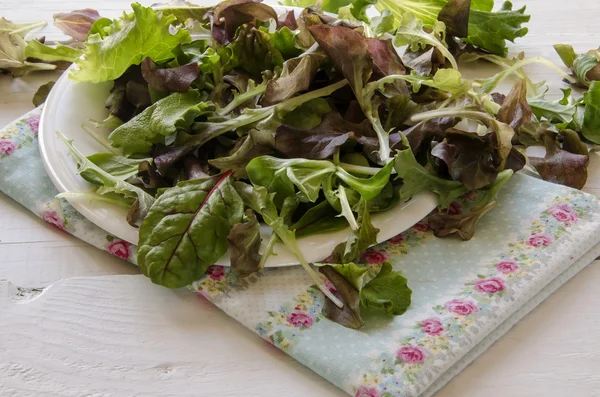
column 123, row 336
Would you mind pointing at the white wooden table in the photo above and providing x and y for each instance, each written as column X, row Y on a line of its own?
column 101, row 329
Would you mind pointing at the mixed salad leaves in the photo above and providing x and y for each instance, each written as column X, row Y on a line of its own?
column 226, row 117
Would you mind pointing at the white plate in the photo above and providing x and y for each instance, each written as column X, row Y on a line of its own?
column 70, row 104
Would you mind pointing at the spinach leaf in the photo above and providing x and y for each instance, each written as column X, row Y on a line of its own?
column 163, row 118
column 186, row 230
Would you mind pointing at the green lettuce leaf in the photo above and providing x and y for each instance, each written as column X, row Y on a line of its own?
column 111, row 49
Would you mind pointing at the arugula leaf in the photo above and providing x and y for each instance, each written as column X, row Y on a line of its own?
column 368, row 188
column 388, row 290
column 261, row 201
column 244, row 243
column 76, row 23
column 358, row 240
column 163, row 118
column 60, row 52
column 591, row 115
column 557, row 111
column 111, row 184
column 111, row 49
column 117, row 166
column 281, row 175
column 186, row 230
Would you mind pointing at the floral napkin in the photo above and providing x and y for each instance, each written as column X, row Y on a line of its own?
column 465, row 294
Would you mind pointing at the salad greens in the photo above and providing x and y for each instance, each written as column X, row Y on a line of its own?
column 222, row 118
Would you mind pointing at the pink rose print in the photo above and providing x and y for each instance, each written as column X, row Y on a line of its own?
column 7, row 147
column 411, row 355
column 538, row 240
column 432, row 326
column 119, row 248
column 397, row 239
column 329, row 285
column 51, row 217
column 34, row 123
column 563, row 213
column 216, row 272
column 300, row 319
column 490, row 285
column 422, row 226
column 507, row 266
column 374, row 257
column 464, row 307
column 365, row 391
